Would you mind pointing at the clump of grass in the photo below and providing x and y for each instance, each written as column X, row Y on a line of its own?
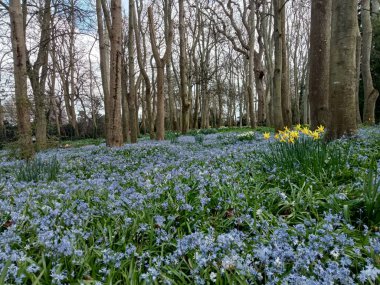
column 38, row 170
column 199, row 138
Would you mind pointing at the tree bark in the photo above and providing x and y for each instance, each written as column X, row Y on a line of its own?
column 370, row 93
column 104, row 64
column 183, row 69
column 160, row 63
column 343, row 69
column 131, row 74
column 115, row 134
column 20, row 78
column 320, row 33
column 277, row 105
column 148, row 95
column 285, row 92
column 38, row 74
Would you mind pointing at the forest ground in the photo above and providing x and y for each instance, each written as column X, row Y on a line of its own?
column 212, row 207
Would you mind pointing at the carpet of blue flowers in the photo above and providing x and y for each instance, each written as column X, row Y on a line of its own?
column 204, row 209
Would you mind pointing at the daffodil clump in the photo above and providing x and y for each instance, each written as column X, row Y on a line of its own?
column 247, row 136
column 296, row 133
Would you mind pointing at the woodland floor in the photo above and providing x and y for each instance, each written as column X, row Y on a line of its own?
column 212, row 207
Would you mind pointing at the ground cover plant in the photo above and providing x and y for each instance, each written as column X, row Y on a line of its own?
column 208, row 208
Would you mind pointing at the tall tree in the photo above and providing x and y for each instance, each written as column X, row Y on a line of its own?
column 285, row 91
column 20, row 77
column 343, row 69
column 115, row 134
column 38, row 72
column 183, row 89
column 277, row 77
column 104, row 62
column 370, row 93
column 319, row 58
column 131, row 73
column 141, row 63
column 160, row 64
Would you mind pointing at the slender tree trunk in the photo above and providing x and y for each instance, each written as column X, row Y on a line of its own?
column 343, row 69
column 277, row 105
column 160, row 63
column 131, row 66
column 148, row 95
column 72, row 70
column 358, row 72
column 125, row 116
column 20, row 78
column 115, row 132
column 183, row 69
column 251, row 64
column 285, row 92
column 370, row 93
column 104, row 65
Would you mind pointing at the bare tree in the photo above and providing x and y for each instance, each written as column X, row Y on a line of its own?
column 160, row 64
column 20, row 77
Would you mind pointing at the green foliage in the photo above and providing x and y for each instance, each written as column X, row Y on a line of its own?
column 172, row 136
column 38, row 170
column 369, row 196
column 199, row 138
column 82, row 142
column 311, row 157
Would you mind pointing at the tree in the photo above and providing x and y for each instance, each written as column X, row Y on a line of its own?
column 20, row 77
column 183, row 68
column 370, row 93
column 343, row 69
column 131, row 73
column 38, row 72
column 319, row 58
column 277, row 77
column 115, row 134
column 160, row 64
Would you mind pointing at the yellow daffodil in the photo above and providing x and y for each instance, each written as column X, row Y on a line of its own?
column 320, row 129
column 298, row 127
column 294, row 134
column 276, row 136
column 315, row 135
column 266, row 136
column 305, row 131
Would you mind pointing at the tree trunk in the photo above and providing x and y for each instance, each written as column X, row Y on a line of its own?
column 20, row 73
column 183, row 89
column 104, row 65
column 131, row 74
column 277, row 105
column 370, row 93
column 358, row 73
column 38, row 74
column 73, row 116
column 320, row 33
column 125, row 106
column 115, row 134
column 285, row 92
column 148, row 95
column 160, row 63
column 251, row 63
column 343, row 69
